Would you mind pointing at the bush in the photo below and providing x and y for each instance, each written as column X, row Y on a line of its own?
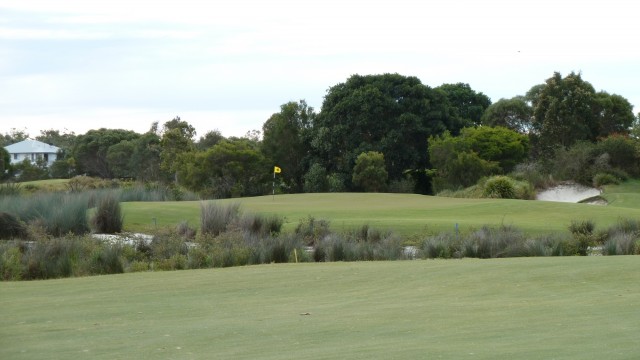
column 311, row 230
column 601, row 179
column 10, row 189
column 185, row 231
column 260, row 225
column 439, row 246
column 402, row 186
column 108, row 218
column 500, row 187
column 215, row 218
column 11, row 227
column 621, row 244
column 583, row 237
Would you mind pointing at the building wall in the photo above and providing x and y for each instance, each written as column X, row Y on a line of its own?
column 18, row 158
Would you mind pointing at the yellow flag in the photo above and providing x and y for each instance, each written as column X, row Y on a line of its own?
column 276, row 170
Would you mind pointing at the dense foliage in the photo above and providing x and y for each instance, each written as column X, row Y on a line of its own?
column 430, row 139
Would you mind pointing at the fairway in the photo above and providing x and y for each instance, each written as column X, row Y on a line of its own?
column 406, row 214
column 525, row 308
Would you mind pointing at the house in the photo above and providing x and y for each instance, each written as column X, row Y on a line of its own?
column 32, row 150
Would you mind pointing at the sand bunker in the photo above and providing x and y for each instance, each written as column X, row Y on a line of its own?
column 568, row 193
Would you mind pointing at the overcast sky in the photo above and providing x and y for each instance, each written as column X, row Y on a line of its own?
column 75, row 65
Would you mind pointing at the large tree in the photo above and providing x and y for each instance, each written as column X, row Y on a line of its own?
column 567, row 110
column 90, row 150
column 177, row 138
column 460, row 161
column 285, row 141
column 467, row 104
column 514, row 114
column 391, row 114
column 231, row 168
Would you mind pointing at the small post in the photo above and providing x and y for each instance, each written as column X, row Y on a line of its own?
column 295, row 254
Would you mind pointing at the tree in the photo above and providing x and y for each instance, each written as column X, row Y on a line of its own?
column 286, row 141
column 231, row 168
column 388, row 113
column 462, row 160
column 12, row 137
column 209, row 139
column 6, row 170
column 615, row 114
column 119, row 159
column 315, row 180
column 145, row 159
column 28, row 171
column 498, row 144
column 514, row 114
column 567, row 110
column 369, row 173
column 53, row 137
column 177, row 138
column 90, row 150
column 467, row 104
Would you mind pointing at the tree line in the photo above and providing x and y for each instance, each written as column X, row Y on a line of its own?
column 384, row 132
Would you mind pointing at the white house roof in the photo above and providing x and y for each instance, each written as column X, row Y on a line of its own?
column 30, row 147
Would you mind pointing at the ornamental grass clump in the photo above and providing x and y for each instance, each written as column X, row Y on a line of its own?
column 108, row 218
column 621, row 244
column 215, row 218
column 11, row 227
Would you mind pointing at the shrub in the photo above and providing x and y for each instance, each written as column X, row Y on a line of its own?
column 106, row 260
column 601, row 179
column 621, row 244
column 534, row 174
column 11, row 227
column 488, row 242
column 215, row 218
column 10, row 189
column 405, row 185
column 108, row 218
column 501, row 187
column 311, row 230
column 439, row 246
column 185, row 231
column 583, row 237
column 261, row 225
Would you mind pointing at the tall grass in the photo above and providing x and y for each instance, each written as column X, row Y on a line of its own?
column 215, row 217
column 108, row 218
column 58, row 213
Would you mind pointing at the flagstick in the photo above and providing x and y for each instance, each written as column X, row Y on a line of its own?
column 273, row 187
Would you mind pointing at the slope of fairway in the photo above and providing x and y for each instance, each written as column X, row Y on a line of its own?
column 403, row 213
column 526, row 308
column 626, row 195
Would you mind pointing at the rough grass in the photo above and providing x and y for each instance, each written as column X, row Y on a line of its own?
column 530, row 308
column 406, row 214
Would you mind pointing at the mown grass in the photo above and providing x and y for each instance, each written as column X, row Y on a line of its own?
column 531, row 308
column 405, row 214
column 625, row 195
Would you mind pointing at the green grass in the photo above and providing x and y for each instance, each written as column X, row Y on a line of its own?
column 48, row 185
column 404, row 213
column 625, row 195
column 528, row 308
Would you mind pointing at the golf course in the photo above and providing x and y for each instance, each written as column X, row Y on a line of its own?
column 406, row 214
column 526, row 308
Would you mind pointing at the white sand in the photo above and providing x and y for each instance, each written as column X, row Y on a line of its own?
column 568, row 193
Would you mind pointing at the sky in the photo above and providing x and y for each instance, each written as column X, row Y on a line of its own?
column 76, row 65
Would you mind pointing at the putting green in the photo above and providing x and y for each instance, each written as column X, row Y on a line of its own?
column 406, row 214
